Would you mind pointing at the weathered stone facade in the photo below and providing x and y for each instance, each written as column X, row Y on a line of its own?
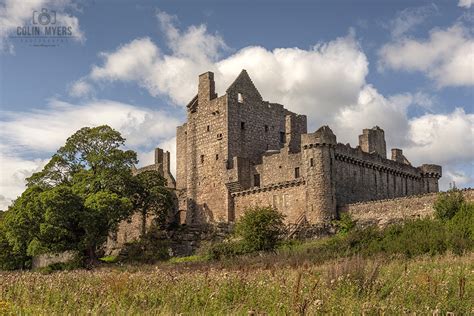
column 238, row 150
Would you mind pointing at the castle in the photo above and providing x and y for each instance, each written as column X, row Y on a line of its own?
column 237, row 150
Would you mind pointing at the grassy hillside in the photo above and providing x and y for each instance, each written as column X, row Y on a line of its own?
column 422, row 285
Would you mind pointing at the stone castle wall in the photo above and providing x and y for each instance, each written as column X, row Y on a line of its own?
column 361, row 176
column 288, row 197
column 385, row 212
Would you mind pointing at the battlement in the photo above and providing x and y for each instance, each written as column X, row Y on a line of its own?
column 431, row 171
column 323, row 136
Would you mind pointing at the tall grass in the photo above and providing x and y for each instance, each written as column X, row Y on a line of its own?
column 424, row 285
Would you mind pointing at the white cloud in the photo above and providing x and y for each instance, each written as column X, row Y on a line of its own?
column 446, row 56
column 456, row 178
column 13, row 172
column 47, row 129
column 409, row 18
column 14, row 13
column 442, row 138
column 372, row 109
column 43, row 131
column 465, row 3
column 317, row 78
column 81, row 88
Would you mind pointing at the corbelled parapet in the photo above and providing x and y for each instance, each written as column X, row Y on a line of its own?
column 323, row 136
column 431, row 171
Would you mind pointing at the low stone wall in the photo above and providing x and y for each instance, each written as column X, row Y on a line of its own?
column 45, row 260
column 185, row 240
column 385, row 212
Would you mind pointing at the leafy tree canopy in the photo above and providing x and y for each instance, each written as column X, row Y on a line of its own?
column 81, row 195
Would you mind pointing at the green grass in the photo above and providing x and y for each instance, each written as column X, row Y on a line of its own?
column 109, row 259
column 193, row 258
column 376, row 285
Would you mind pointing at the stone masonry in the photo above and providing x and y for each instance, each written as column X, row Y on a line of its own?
column 237, row 150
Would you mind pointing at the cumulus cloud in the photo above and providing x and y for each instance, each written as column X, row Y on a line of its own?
column 304, row 79
column 445, row 57
column 372, row 109
column 41, row 132
column 14, row 13
column 409, row 18
column 465, row 3
column 442, row 138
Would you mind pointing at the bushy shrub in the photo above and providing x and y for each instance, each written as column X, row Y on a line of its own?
column 448, row 203
column 461, row 229
column 260, row 228
column 421, row 236
column 226, row 249
column 345, row 224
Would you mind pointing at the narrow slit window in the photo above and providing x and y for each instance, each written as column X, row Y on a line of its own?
column 282, row 137
column 217, row 156
column 311, row 162
column 240, row 98
column 297, row 172
column 242, row 125
column 202, row 158
column 208, row 128
column 266, row 128
column 256, row 180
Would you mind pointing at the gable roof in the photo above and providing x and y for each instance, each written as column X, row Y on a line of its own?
column 243, row 80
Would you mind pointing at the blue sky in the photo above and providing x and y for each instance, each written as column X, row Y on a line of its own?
column 407, row 66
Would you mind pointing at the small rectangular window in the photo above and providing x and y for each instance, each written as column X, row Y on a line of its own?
column 208, row 128
column 240, row 98
column 202, row 158
column 242, row 125
column 311, row 162
column 256, row 180
column 266, row 128
column 297, row 172
column 282, row 137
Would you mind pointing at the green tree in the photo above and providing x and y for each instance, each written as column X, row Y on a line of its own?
column 260, row 228
column 60, row 228
column 102, row 213
column 93, row 156
column 22, row 220
column 448, row 204
column 9, row 259
column 150, row 194
column 77, row 199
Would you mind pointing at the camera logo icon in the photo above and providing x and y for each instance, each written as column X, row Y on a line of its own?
column 44, row 17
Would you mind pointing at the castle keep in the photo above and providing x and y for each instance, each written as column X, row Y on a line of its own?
column 237, row 151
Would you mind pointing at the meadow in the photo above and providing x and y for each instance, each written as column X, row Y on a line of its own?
column 250, row 285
